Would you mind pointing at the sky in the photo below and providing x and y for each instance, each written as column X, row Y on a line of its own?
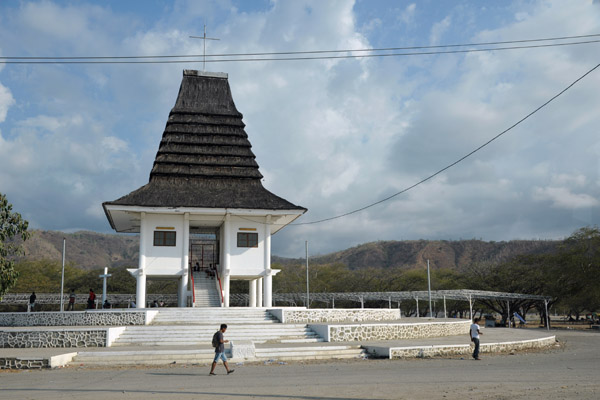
column 330, row 135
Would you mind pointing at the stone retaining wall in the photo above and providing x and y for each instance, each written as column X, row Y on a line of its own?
column 335, row 315
column 517, row 345
column 430, row 351
column 76, row 318
column 53, row 338
column 23, row 363
column 467, row 349
column 391, row 331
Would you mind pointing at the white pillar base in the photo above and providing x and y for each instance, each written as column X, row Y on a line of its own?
column 182, row 294
column 140, row 299
column 252, row 293
column 259, row 292
column 268, row 291
column 226, row 291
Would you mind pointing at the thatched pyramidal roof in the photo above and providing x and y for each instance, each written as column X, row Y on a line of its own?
column 205, row 159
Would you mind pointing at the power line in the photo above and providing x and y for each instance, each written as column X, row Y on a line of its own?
column 181, row 59
column 303, row 52
column 455, row 162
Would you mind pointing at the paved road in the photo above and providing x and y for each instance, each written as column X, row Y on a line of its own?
column 570, row 372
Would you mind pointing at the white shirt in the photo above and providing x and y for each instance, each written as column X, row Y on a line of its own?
column 475, row 331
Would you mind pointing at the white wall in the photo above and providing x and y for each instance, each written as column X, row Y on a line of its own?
column 246, row 260
column 166, row 260
column 163, row 260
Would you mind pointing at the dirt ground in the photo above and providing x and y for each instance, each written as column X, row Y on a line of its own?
column 569, row 371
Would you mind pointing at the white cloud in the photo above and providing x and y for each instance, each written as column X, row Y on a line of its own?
column 566, row 179
column 114, row 144
column 561, row 197
column 438, row 30
column 408, row 14
column 6, row 101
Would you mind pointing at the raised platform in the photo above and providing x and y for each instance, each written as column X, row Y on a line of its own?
column 255, row 335
column 493, row 340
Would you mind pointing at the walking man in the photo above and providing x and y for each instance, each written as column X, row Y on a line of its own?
column 219, row 345
column 475, row 332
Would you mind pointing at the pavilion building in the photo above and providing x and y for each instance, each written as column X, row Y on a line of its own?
column 204, row 212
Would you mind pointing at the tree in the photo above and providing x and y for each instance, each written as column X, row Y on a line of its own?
column 577, row 268
column 44, row 276
column 12, row 226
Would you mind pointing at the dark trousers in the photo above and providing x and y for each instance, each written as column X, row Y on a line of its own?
column 476, row 351
column 70, row 306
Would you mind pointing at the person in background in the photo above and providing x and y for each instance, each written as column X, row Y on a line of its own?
column 71, row 306
column 91, row 300
column 32, row 301
column 106, row 304
column 474, row 332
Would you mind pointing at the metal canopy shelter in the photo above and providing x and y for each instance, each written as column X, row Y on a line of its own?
column 300, row 298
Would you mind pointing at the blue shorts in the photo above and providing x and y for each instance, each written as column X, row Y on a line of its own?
column 221, row 356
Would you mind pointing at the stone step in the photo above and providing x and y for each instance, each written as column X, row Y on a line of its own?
column 185, row 325
column 208, row 339
column 169, row 334
column 226, row 311
column 205, row 356
column 187, row 310
column 215, row 323
column 237, row 335
column 211, row 311
column 201, row 342
column 206, row 293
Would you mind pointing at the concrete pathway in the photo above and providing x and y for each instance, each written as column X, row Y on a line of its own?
column 568, row 372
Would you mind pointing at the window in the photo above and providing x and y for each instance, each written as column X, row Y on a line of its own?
column 162, row 238
column 247, row 239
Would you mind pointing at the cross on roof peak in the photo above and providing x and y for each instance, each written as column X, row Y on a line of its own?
column 205, row 38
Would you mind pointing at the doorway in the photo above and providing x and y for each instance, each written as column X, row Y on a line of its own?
column 204, row 249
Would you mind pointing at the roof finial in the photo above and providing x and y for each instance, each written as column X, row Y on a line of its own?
column 205, row 39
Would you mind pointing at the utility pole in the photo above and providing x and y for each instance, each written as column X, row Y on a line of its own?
column 62, row 279
column 307, row 291
column 429, row 289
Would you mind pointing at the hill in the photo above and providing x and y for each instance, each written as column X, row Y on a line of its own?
column 91, row 250
column 411, row 254
column 87, row 250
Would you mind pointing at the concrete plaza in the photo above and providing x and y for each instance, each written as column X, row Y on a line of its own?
column 565, row 372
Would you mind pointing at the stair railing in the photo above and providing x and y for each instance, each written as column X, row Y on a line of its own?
column 193, row 286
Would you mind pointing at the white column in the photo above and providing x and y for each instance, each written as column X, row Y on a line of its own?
column 259, row 292
column 140, row 300
column 252, row 293
column 183, row 282
column 268, row 290
column 268, row 281
column 226, row 259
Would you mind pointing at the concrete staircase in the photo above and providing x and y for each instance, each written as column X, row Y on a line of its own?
column 183, row 336
column 206, row 292
column 195, row 327
column 213, row 316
